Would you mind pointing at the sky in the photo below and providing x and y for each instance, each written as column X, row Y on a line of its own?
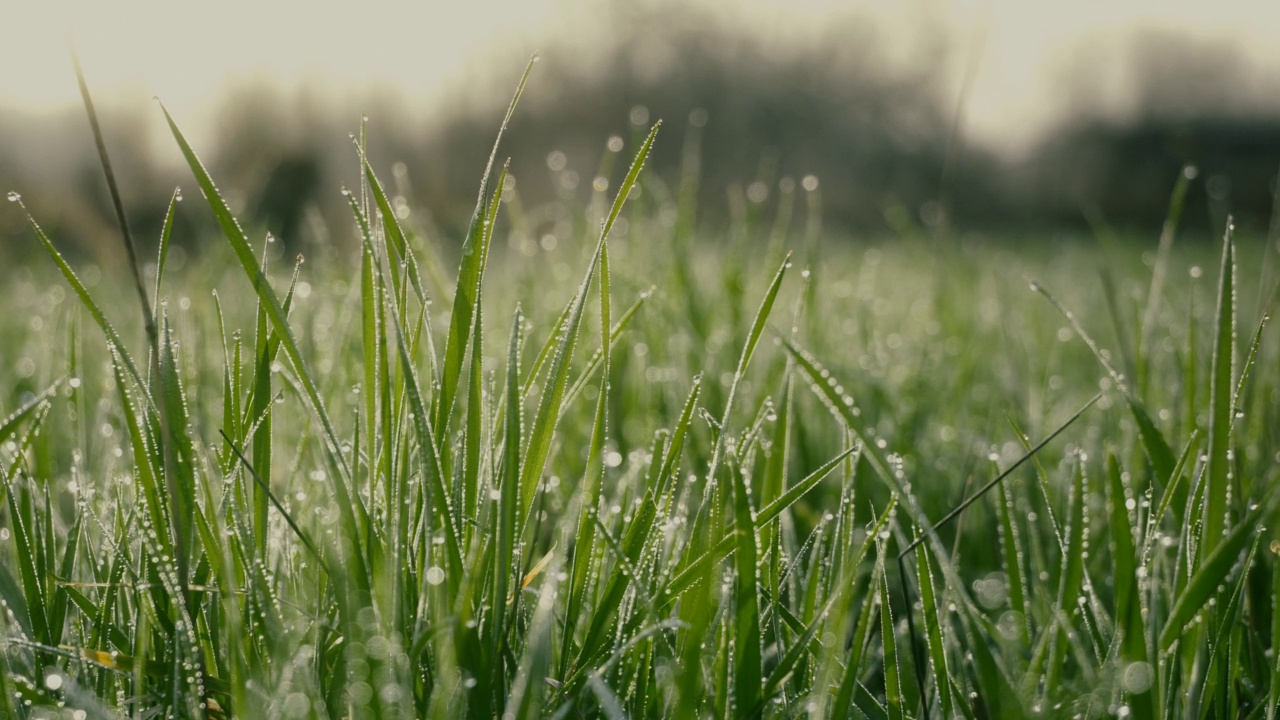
column 190, row 54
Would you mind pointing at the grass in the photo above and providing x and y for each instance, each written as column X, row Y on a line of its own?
column 790, row 478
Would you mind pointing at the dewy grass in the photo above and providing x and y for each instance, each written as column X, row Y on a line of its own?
column 527, row 504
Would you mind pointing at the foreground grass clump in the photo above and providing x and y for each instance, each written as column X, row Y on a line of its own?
column 726, row 495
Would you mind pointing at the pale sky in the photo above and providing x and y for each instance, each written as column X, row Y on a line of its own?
column 189, row 53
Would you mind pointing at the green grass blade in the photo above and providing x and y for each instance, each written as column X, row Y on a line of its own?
column 676, row 447
column 526, row 691
column 1130, row 623
column 36, row 600
column 9, row 427
column 746, row 611
column 589, row 370
column 162, row 255
column 544, row 425
column 261, row 286
column 933, row 631
column 748, row 350
column 508, row 504
column 1071, row 579
column 1221, row 412
column 892, row 679
column 846, row 691
column 1014, row 562
column 470, row 278
column 795, row 492
column 1273, row 692
column 99, row 317
column 1160, row 268
column 584, row 544
column 1159, row 454
column 1212, row 572
column 695, row 568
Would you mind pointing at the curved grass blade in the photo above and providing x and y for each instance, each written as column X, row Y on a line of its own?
column 113, row 338
column 10, row 424
column 1154, row 443
column 694, row 570
column 748, row 350
column 470, row 278
column 544, row 425
column 262, row 287
column 162, row 255
column 1213, row 570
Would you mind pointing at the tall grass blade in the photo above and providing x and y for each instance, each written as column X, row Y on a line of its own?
column 933, row 631
column 1218, row 479
column 1211, row 573
column 261, row 286
column 544, row 425
column 892, row 678
column 470, row 278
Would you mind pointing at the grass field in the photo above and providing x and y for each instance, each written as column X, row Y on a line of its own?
column 645, row 470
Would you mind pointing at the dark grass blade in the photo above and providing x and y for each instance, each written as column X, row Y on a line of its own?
column 117, row 205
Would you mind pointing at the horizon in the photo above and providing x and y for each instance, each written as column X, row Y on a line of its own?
column 1028, row 66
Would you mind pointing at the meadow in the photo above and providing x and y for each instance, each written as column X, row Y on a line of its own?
column 604, row 460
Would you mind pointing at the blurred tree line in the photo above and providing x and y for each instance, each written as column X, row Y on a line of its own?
column 876, row 130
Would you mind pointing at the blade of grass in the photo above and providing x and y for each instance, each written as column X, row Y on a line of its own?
column 1212, row 572
column 1130, row 624
column 470, row 278
column 933, row 631
column 548, row 415
column 262, row 287
column 9, row 427
column 1159, row 454
column 955, row 512
column 1221, row 412
column 746, row 610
